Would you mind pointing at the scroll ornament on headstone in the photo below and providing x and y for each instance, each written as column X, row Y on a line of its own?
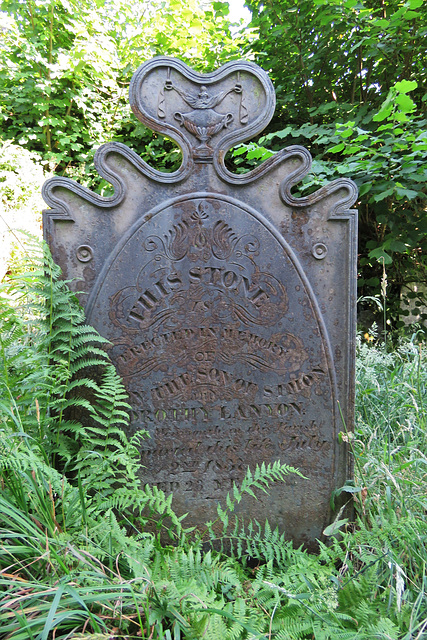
column 229, row 302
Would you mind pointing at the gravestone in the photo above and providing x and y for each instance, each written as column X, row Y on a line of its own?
column 229, row 302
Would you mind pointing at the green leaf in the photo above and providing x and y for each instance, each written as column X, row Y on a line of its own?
column 396, row 245
column 346, row 133
column 348, row 488
column 49, row 624
column 283, row 133
column 383, row 195
column 411, row 15
column 334, row 528
column 384, row 113
column 364, row 188
column 381, row 22
column 352, row 149
column 404, row 86
column 337, row 148
column 221, row 612
column 381, row 255
column 386, row 127
column 410, row 194
column 405, row 103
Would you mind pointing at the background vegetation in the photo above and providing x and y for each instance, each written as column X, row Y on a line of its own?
column 349, row 76
column 350, row 80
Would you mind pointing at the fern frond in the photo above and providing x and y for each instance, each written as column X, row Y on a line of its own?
column 260, row 479
column 261, row 543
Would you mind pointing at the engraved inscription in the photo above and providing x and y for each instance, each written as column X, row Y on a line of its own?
column 220, row 368
column 172, row 285
column 214, row 456
column 206, row 414
column 282, row 354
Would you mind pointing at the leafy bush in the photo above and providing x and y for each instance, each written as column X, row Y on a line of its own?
column 21, row 175
column 21, row 179
column 65, row 69
column 384, row 151
column 350, row 83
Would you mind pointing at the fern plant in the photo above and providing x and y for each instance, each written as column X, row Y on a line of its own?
column 248, row 540
column 77, row 558
column 48, row 360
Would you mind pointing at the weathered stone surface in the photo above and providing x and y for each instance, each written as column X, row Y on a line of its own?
column 230, row 303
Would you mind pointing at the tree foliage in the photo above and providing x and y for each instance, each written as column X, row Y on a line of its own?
column 329, row 53
column 350, row 80
column 65, row 68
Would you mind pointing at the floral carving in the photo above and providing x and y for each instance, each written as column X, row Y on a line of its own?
column 192, row 237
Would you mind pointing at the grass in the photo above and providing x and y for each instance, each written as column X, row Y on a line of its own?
column 77, row 559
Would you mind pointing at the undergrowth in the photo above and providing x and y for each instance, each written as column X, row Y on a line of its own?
column 78, row 555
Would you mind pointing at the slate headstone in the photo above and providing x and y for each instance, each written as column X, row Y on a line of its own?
column 229, row 301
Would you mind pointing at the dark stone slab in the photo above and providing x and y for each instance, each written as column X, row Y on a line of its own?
column 230, row 303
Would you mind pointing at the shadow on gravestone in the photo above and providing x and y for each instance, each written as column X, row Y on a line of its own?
column 229, row 303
